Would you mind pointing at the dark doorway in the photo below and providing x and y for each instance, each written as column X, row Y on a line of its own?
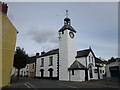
column 90, row 72
column 50, row 72
column 42, row 73
column 114, row 71
column 98, row 72
column 86, row 75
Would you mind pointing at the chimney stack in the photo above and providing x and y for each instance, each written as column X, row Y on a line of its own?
column 3, row 8
column 42, row 52
column 37, row 54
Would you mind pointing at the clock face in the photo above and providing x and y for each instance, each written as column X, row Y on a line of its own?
column 71, row 34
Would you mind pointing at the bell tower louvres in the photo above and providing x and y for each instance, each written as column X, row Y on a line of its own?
column 67, row 48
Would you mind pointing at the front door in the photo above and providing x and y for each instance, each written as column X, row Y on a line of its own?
column 51, row 73
column 42, row 73
column 86, row 75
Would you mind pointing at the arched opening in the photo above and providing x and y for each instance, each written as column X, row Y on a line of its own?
column 90, row 70
column 50, row 72
column 42, row 73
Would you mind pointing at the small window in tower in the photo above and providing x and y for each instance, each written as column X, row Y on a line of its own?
column 73, row 72
column 65, row 23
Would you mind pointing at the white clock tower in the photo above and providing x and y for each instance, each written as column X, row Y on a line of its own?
column 67, row 48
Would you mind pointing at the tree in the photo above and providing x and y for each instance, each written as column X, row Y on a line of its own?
column 20, row 59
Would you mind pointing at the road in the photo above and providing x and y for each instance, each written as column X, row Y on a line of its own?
column 43, row 83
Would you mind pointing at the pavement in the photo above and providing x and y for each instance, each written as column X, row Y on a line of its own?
column 25, row 82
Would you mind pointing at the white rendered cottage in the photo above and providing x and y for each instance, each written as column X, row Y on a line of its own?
column 66, row 63
column 47, row 65
column 24, row 71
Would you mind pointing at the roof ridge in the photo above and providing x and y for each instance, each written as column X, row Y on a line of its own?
column 83, row 50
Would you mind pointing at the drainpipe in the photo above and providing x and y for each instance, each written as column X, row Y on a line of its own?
column 86, row 71
column 69, row 76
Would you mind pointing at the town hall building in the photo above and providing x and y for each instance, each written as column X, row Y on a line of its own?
column 65, row 63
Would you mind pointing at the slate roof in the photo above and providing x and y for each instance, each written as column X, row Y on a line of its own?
column 111, row 60
column 51, row 52
column 84, row 53
column 97, row 60
column 31, row 60
column 69, row 27
column 77, row 66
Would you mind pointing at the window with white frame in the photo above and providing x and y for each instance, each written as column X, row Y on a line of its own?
column 92, row 59
column 89, row 59
column 90, row 72
column 51, row 61
column 42, row 62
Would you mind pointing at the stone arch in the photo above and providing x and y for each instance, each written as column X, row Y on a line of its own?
column 42, row 73
column 50, row 72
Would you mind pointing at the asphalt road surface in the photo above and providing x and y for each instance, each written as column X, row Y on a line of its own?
column 35, row 84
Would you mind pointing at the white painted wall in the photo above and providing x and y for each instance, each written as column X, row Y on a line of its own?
column 15, row 71
column 24, row 71
column 46, row 66
column 83, row 60
column 93, row 62
column 67, row 53
column 96, row 74
column 104, row 69
column 38, row 63
column 101, row 74
column 93, row 67
column 79, row 75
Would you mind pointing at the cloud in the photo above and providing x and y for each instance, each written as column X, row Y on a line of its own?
column 42, row 36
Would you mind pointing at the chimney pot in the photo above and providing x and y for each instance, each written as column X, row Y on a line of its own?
column 3, row 8
column 42, row 52
column 37, row 54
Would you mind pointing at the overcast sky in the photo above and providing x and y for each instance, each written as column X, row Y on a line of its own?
column 96, row 24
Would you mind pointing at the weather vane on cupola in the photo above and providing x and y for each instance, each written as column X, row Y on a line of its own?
column 66, row 20
column 67, row 13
